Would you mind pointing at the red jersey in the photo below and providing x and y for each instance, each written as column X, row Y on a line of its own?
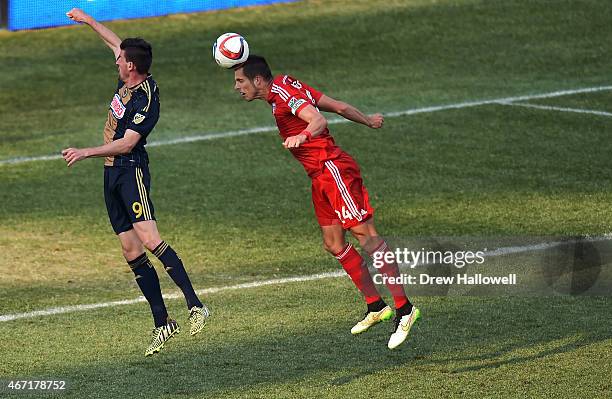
column 288, row 98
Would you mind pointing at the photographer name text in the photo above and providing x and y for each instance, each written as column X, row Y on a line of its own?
column 458, row 279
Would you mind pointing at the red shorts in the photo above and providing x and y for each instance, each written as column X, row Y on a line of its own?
column 338, row 194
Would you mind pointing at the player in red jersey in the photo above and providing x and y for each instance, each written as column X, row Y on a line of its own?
column 339, row 197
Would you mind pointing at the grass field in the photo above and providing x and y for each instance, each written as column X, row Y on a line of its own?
column 237, row 209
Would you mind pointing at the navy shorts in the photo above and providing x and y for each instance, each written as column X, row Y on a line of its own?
column 126, row 192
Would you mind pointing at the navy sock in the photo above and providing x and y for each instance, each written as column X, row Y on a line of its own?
column 147, row 280
column 176, row 270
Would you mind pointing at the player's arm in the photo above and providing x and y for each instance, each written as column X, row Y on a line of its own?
column 349, row 112
column 108, row 36
column 316, row 125
column 116, row 147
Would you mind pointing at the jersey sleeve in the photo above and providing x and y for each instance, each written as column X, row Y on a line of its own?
column 144, row 115
column 312, row 93
column 295, row 94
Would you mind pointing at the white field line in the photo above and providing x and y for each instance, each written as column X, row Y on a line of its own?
column 176, row 295
column 262, row 129
column 255, row 284
column 561, row 109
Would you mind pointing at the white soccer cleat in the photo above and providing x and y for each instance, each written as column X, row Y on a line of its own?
column 371, row 319
column 402, row 327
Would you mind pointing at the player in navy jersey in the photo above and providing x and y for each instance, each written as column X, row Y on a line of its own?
column 133, row 113
column 339, row 197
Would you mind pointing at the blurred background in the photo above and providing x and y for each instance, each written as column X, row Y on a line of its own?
column 31, row 14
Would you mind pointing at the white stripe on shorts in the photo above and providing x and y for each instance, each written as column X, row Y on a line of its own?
column 346, row 195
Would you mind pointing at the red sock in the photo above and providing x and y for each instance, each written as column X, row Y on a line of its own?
column 356, row 268
column 391, row 270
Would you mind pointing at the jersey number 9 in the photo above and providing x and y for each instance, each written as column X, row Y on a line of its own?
column 137, row 208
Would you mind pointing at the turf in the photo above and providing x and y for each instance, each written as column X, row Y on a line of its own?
column 238, row 209
column 295, row 350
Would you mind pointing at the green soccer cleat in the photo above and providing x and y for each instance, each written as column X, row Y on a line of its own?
column 402, row 327
column 371, row 319
column 197, row 319
column 160, row 335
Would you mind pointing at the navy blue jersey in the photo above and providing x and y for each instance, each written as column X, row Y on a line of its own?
column 135, row 108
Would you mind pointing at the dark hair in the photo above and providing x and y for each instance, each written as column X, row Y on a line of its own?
column 139, row 52
column 256, row 66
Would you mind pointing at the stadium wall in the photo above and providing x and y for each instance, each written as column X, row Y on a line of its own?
column 31, row 14
column 3, row 11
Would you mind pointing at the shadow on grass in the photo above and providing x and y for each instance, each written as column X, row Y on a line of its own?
column 292, row 346
column 490, row 361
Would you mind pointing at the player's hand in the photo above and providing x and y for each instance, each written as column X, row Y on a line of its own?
column 73, row 155
column 78, row 15
column 295, row 141
column 376, row 121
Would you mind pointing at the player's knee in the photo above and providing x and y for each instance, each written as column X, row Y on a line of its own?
column 148, row 234
column 131, row 252
column 333, row 247
column 370, row 243
column 151, row 243
column 367, row 240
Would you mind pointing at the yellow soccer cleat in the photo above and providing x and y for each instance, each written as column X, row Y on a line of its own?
column 160, row 335
column 371, row 319
column 197, row 319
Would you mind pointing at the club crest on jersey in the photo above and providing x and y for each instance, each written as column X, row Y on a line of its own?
column 138, row 118
column 273, row 108
column 117, row 107
column 294, row 104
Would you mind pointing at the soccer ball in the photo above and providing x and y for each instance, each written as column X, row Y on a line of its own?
column 230, row 49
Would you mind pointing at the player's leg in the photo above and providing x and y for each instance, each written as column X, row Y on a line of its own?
column 328, row 201
column 376, row 247
column 334, row 240
column 350, row 200
column 147, row 280
column 352, row 205
column 146, row 229
column 338, row 209
column 146, row 276
column 131, row 245
column 405, row 313
column 148, row 233
column 352, row 262
column 355, row 266
column 134, row 254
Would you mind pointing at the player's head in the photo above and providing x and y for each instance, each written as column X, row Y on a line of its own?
column 136, row 57
column 252, row 78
